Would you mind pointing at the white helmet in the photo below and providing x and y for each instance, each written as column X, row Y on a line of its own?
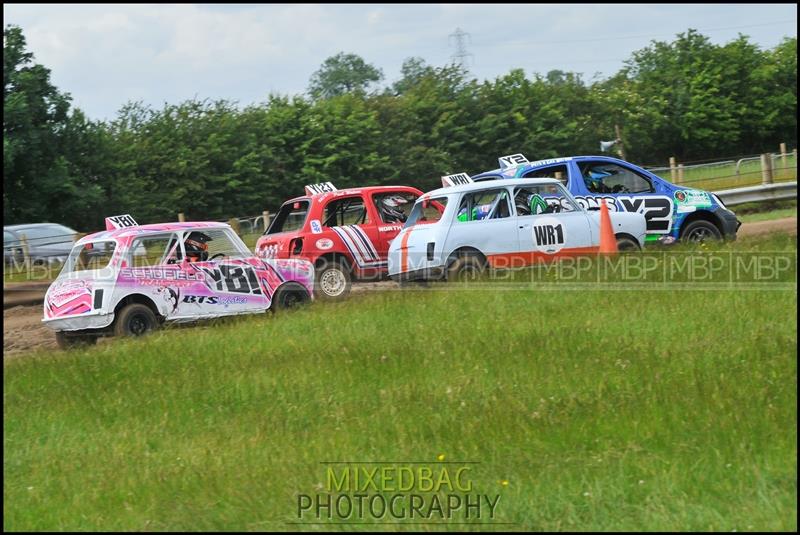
column 389, row 207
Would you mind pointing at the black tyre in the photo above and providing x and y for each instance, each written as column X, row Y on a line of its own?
column 71, row 340
column 289, row 295
column 466, row 268
column 135, row 319
column 626, row 244
column 700, row 231
column 332, row 280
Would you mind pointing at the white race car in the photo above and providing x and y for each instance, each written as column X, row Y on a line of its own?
column 466, row 227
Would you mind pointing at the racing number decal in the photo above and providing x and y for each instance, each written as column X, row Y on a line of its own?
column 122, row 221
column 512, row 160
column 549, row 234
column 234, row 279
column 657, row 211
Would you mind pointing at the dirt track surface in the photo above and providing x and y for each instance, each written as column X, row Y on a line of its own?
column 23, row 329
column 787, row 224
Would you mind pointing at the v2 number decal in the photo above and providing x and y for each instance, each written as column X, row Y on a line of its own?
column 233, row 279
column 657, row 209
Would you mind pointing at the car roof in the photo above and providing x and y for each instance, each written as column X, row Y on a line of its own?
column 154, row 228
column 549, row 161
column 475, row 186
column 349, row 191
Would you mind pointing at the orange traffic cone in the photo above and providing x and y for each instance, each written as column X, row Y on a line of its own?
column 608, row 243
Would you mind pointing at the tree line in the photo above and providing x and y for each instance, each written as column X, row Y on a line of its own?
column 211, row 159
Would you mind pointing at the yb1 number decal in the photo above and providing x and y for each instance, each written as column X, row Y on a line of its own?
column 233, row 279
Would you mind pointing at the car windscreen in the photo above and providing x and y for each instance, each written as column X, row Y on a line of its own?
column 291, row 217
column 427, row 211
column 90, row 256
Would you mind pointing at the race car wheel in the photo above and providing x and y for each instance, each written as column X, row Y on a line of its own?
column 135, row 319
column 67, row 340
column 332, row 281
column 466, row 268
column 626, row 244
column 289, row 295
column 700, row 231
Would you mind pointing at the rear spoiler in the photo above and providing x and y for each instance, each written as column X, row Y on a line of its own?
column 322, row 187
column 456, row 180
column 120, row 221
column 512, row 160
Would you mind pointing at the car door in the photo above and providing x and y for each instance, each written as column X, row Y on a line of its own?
column 551, row 224
column 231, row 276
column 483, row 222
column 349, row 218
column 391, row 210
column 627, row 190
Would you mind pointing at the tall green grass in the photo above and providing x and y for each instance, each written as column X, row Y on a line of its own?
column 587, row 409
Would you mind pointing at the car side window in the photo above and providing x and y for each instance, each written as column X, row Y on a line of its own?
column 601, row 177
column 559, row 172
column 220, row 245
column 394, row 207
column 155, row 250
column 542, row 199
column 347, row 211
column 488, row 204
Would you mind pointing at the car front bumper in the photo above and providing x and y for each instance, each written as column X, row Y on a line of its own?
column 729, row 223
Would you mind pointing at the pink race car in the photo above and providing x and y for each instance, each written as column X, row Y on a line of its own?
column 130, row 279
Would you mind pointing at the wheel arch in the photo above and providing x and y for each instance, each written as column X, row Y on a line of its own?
column 465, row 251
column 140, row 299
column 333, row 257
column 701, row 215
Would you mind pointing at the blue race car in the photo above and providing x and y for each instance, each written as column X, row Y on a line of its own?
column 672, row 212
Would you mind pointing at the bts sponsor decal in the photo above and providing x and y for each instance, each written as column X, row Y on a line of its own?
column 324, row 244
column 689, row 200
column 549, row 235
column 214, row 300
column 360, row 246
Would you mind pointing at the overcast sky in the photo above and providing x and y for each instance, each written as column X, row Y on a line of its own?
column 105, row 55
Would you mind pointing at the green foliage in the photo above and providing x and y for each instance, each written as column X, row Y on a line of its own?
column 687, row 98
column 343, row 73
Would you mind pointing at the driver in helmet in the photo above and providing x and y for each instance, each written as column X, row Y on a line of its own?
column 196, row 246
column 390, row 207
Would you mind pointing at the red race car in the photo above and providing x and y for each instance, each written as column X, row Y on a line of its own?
column 344, row 233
